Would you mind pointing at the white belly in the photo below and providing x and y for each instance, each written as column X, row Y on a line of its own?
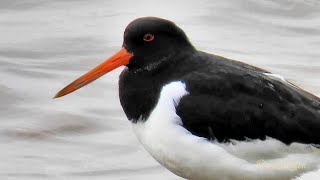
column 196, row 158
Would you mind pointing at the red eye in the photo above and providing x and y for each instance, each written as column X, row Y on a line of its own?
column 148, row 37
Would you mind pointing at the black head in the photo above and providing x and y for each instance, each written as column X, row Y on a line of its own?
column 153, row 41
column 149, row 43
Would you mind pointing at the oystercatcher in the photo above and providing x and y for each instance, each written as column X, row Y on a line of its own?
column 207, row 117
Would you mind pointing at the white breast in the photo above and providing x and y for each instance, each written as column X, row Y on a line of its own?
column 196, row 158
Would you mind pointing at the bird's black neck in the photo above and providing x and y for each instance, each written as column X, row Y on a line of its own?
column 139, row 90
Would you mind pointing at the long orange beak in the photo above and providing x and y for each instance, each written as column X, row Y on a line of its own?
column 120, row 58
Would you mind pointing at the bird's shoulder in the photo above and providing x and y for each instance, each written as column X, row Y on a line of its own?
column 220, row 76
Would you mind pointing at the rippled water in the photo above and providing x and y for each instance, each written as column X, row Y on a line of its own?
column 45, row 44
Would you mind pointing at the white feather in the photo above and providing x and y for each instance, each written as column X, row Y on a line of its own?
column 278, row 78
column 313, row 175
column 196, row 158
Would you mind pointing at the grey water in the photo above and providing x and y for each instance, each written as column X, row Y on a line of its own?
column 45, row 44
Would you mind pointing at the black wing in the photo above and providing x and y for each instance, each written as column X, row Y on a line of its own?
column 233, row 101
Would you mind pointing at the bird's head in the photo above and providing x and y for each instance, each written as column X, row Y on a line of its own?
column 153, row 40
column 147, row 43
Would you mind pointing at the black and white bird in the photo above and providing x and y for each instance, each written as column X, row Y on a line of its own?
column 206, row 117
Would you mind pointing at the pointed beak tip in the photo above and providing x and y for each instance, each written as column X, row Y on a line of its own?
column 60, row 94
column 56, row 96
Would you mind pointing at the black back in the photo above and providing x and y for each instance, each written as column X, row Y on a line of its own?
column 233, row 102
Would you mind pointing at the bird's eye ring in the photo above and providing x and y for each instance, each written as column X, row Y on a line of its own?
column 148, row 37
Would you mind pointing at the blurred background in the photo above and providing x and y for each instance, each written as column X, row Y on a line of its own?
column 46, row 44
